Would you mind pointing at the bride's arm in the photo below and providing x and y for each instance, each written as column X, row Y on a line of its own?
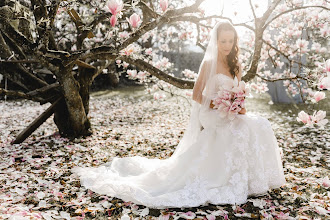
column 243, row 110
column 200, row 84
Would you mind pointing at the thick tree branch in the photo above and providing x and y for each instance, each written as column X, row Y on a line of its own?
column 43, row 90
column 19, row 94
column 180, row 83
column 269, row 11
column 19, row 38
column 147, row 10
column 7, row 68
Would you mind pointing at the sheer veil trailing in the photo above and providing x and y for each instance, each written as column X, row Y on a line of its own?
column 202, row 91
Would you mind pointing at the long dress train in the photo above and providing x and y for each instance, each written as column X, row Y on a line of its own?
column 231, row 160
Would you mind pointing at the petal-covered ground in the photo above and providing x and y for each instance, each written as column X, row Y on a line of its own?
column 36, row 182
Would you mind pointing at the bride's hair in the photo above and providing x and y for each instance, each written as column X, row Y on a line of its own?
column 232, row 57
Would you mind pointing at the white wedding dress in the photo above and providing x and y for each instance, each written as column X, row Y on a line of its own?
column 231, row 160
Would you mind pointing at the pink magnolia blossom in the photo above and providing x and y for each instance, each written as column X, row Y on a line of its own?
column 224, row 108
column 115, row 6
column 324, row 83
column 123, row 34
column 325, row 30
column 148, row 51
column 163, row 4
column 188, row 215
column 241, row 90
column 302, row 45
column 134, row 20
column 327, row 66
column 128, row 50
column 125, row 64
column 283, row 215
column 316, row 47
column 318, row 96
column 303, row 117
column 226, row 95
column 230, row 100
column 189, row 74
column 326, row 182
column 113, row 20
column 142, row 75
column 210, row 217
column 158, row 96
column 298, row 3
column 319, row 118
column 234, row 107
column 132, row 73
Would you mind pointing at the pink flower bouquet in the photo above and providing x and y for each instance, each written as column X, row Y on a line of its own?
column 230, row 98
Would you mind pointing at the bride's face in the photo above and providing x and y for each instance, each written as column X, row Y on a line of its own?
column 225, row 41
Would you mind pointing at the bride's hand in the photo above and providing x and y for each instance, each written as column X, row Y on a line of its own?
column 243, row 111
column 211, row 105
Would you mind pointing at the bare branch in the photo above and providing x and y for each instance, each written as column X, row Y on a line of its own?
column 288, row 78
column 253, row 12
column 293, row 9
column 196, row 20
column 283, row 54
column 198, row 38
column 19, row 94
column 19, row 61
column 189, row 9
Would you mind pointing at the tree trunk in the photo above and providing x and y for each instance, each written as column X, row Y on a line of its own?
column 70, row 115
column 85, row 81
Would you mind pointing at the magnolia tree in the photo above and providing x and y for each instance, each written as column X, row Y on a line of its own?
column 75, row 41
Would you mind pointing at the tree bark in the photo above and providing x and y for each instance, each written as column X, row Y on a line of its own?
column 70, row 115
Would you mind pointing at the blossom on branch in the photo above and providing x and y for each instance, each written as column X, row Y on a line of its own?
column 318, row 96
column 115, row 6
column 113, row 20
column 163, row 4
column 134, row 20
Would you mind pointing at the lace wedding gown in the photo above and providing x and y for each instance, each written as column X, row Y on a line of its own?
column 231, row 160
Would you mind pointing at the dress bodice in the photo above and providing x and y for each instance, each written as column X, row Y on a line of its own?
column 224, row 76
column 220, row 78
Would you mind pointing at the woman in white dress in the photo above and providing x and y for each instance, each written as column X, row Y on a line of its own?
column 218, row 160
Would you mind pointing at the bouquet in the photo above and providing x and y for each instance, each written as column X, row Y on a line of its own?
column 230, row 98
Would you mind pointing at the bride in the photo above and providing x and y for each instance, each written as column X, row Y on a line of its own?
column 218, row 160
